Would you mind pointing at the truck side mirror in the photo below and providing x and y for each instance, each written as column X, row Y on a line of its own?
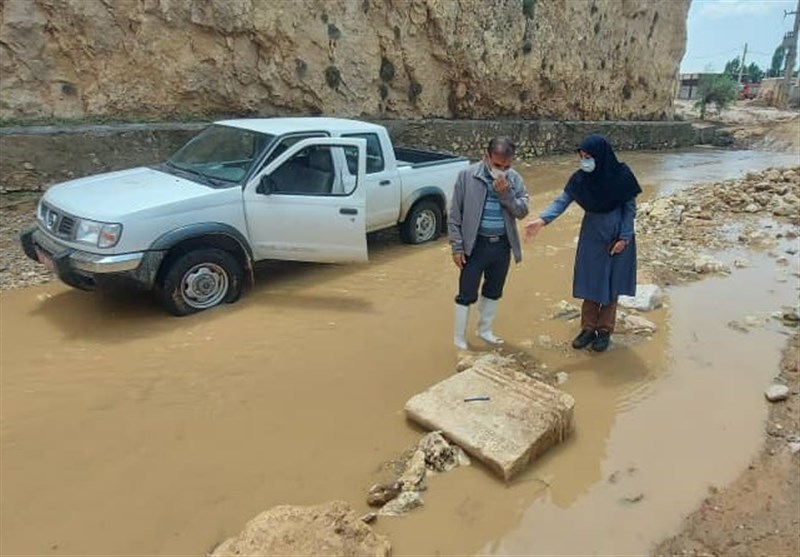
column 266, row 185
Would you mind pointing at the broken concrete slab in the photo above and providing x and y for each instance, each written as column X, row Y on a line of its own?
column 329, row 529
column 498, row 415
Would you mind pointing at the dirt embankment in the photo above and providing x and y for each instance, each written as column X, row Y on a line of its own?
column 750, row 123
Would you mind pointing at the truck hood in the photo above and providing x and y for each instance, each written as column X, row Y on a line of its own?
column 108, row 197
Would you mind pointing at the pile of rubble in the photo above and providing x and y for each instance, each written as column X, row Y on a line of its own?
column 432, row 455
column 672, row 230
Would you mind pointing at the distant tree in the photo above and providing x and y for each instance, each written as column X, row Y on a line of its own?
column 732, row 67
column 719, row 90
column 776, row 67
column 750, row 74
column 754, row 73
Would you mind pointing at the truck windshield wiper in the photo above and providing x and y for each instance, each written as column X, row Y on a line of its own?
column 218, row 182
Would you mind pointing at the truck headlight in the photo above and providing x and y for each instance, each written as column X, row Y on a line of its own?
column 100, row 234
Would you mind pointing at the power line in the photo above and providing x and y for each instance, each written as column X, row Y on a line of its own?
column 733, row 50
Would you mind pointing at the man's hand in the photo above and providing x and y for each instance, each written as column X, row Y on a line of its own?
column 460, row 259
column 532, row 228
column 501, row 184
column 618, row 246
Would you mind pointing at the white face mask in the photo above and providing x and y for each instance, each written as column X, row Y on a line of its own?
column 587, row 165
column 496, row 173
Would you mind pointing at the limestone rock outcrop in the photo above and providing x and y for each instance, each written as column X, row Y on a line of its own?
column 558, row 59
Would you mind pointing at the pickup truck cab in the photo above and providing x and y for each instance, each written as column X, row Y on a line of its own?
column 241, row 191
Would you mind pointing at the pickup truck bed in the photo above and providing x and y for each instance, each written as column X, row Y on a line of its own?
column 420, row 158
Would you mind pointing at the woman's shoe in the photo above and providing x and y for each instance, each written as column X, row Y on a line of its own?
column 584, row 339
column 602, row 341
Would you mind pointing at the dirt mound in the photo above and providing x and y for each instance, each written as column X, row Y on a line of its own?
column 329, row 529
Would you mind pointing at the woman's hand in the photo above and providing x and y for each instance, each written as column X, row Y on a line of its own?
column 532, row 228
column 618, row 247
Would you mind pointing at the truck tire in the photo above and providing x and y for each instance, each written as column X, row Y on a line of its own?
column 199, row 280
column 423, row 223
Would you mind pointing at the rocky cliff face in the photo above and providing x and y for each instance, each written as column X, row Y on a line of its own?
column 560, row 59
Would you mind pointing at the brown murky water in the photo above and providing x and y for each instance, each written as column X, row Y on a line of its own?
column 128, row 432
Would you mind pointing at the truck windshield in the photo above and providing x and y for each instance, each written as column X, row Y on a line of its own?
column 220, row 153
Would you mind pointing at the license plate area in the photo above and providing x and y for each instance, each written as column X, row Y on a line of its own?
column 44, row 259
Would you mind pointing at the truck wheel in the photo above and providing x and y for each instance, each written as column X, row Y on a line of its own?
column 200, row 280
column 423, row 223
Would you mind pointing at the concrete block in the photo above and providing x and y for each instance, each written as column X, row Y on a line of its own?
column 500, row 416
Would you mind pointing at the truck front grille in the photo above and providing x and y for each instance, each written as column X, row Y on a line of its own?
column 66, row 226
column 57, row 223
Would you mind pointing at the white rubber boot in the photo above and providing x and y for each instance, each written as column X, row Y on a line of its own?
column 460, row 329
column 487, row 310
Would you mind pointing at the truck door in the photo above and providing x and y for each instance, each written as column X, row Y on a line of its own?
column 300, row 208
column 382, row 183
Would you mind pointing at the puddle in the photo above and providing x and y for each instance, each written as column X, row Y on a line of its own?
column 125, row 431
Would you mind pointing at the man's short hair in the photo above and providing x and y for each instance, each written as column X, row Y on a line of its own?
column 501, row 145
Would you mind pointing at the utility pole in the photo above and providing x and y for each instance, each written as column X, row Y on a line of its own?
column 791, row 54
column 741, row 65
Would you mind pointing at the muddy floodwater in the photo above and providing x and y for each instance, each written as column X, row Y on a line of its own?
column 126, row 431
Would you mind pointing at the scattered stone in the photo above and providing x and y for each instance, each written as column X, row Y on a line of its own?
column 783, row 209
column 782, row 261
column 777, row 392
column 741, row 263
column 380, row 494
column 705, row 264
column 566, row 311
column 661, row 209
column 28, row 166
column 414, row 474
column 522, row 419
column 738, row 326
column 439, row 455
column 404, row 503
column 637, row 324
column 330, row 529
column 561, row 377
column 790, row 318
column 648, row 297
column 369, row 518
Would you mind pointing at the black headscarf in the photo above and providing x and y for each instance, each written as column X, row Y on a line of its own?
column 609, row 186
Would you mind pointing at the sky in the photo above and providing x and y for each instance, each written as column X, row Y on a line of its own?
column 718, row 30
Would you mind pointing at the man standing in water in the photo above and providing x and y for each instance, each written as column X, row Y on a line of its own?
column 487, row 198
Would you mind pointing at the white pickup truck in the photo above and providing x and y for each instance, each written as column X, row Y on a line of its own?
column 241, row 191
